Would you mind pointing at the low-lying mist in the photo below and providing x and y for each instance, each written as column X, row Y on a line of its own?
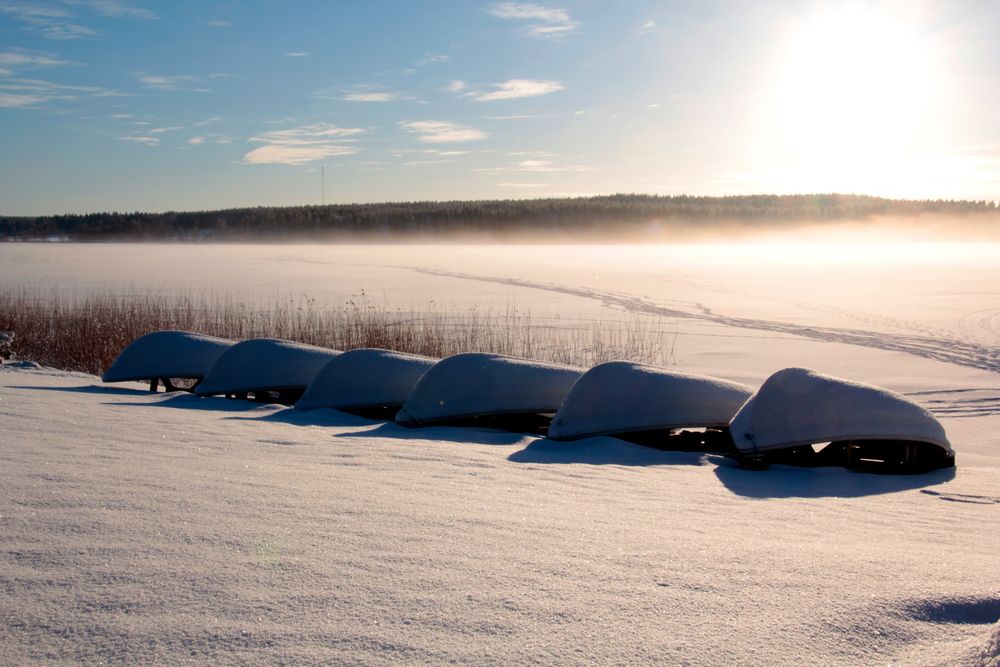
column 612, row 219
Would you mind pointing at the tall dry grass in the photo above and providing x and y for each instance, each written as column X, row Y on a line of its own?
column 86, row 333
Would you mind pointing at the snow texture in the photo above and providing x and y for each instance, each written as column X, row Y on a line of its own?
column 623, row 397
column 167, row 354
column 141, row 528
column 477, row 384
column 989, row 654
column 365, row 378
column 148, row 528
column 264, row 363
column 797, row 406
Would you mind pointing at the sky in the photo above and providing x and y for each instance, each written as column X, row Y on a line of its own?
column 122, row 105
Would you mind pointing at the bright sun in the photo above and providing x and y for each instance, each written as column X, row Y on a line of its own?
column 853, row 101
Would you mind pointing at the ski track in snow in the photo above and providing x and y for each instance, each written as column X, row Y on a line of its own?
column 984, row 322
column 939, row 348
column 866, row 318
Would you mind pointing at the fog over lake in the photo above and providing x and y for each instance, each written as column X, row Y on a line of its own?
column 716, row 303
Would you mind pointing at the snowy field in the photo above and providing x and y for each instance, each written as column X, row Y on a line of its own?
column 137, row 527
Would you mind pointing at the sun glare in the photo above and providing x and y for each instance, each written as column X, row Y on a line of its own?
column 852, row 103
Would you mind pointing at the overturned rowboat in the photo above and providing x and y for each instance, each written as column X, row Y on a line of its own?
column 175, row 359
column 801, row 417
column 265, row 369
column 489, row 390
column 368, row 381
column 651, row 406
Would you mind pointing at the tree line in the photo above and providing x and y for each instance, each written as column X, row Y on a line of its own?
column 622, row 216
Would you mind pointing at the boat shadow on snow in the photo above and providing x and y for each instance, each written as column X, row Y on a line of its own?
column 777, row 482
column 90, row 389
column 457, row 434
column 781, row 481
column 318, row 417
column 602, row 451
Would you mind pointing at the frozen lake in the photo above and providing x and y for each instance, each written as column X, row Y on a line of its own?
column 720, row 307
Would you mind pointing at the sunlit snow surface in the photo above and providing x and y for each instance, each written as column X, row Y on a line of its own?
column 159, row 528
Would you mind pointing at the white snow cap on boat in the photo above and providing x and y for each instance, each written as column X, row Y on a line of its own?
column 797, row 406
column 476, row 384
column 365, row 378
column 167, row 354
column 624, row 397
column 264, row 363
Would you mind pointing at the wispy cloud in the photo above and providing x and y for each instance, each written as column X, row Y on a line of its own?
column 456, row 86
column 56, row 22
column 517, row 116
column 200, row 139
column 431, row 58
column 163, row 130
column 176, row 83
column 516, row 88
column 307, row 134
column 115, row 8
column 36, row 93
column 442, row 132
column 145, row 141
column 421, row 163
column 361, row 92
column 536, row 167
column 523, row 185
column 295, row 155
column 301, row 145
column 218, row 23
column 51, row 22
column 27, row 58
column 20, row 100
column 296, row 54
column 371, row 97
column 529, row 154
column 541, row 21
column 435, row 152
column 547, row 166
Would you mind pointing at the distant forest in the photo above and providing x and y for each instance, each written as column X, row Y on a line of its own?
column 633, row 217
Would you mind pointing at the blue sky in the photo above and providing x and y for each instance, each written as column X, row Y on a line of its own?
column 183, row 105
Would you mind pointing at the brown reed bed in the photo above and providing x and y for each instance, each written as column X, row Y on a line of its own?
column 86, row 332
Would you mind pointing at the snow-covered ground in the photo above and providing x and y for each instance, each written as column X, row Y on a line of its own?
column 168, row 527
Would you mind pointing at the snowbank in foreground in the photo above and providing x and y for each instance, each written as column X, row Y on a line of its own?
column 162, row 528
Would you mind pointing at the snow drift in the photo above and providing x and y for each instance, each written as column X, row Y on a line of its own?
column 797, row 407
column 264, row 364
column 478, row 385
column 167, row 354
column 364, row 379
column 621, row 397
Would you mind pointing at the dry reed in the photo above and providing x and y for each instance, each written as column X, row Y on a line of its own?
column 86, row 333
